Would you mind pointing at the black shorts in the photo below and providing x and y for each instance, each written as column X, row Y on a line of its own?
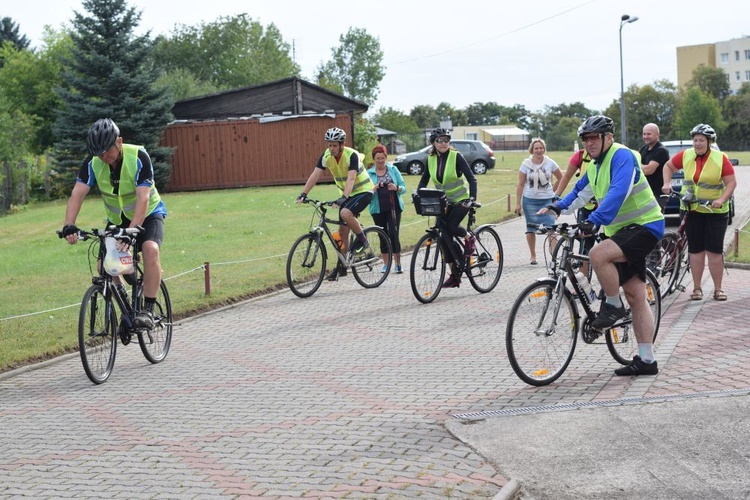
column 636, row 242
column 705, row 232
column 153, row 229
column 357, row 203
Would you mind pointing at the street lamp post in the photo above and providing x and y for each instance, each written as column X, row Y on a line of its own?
column 625, row 19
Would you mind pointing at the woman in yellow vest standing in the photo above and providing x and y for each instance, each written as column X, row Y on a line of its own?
column 449, row 171
column 709, row 174
column 355, row 187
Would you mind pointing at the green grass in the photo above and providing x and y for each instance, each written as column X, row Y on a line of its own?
column 245, row 235
column 743, row 254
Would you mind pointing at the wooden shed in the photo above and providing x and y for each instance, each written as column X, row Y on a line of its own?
column 269, row 134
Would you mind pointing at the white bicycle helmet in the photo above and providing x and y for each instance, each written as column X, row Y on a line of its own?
column 335, row 134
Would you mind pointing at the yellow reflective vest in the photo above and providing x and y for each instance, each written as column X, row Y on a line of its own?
column 453, row 185
column 124, row 201
column 640, row 206
column 340, row 171
column 710, row 186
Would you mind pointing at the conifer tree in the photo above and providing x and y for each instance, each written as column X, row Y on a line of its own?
column 110, row 74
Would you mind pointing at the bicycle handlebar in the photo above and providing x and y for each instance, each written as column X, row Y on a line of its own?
column 118, row 233
column 674, row 193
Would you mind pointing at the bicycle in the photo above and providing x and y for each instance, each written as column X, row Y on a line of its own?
column 544, row 322
column 98, row 328
column 306, row 263
column 670, row 260
column 483, row 267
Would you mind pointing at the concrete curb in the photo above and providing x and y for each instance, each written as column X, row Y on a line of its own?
column 508, row 492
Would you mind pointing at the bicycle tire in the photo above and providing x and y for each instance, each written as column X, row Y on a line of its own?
column 372, row 271
column 156, row 341
column 306, row 265
column 486, row 265
column 537, row 353
column 664, row 261
column 621, row 341
column 427, row 270
column 97, row 338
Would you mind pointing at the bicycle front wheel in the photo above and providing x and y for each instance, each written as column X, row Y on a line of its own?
column 372, row 270
column 306, row 265
column 541, row 333
column 486, row 265
column 156, row 341
column 97, row 340
column 427, row 269
column 621, row 341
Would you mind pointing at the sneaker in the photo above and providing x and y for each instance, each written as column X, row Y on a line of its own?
column 452, row 282
column 638, row 367
column 398, row 269
column 385, row 268
column 470, row 246
column 608, row 316
column 144, row 319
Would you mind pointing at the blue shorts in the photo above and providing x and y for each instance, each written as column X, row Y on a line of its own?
column 531, row 207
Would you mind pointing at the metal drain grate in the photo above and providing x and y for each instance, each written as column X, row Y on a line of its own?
column 479, row 415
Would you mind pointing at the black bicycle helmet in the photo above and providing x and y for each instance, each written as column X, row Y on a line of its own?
column 335, row 134
column 599, row 124
column 102, row 135
column 704, row 129
column 439, row 132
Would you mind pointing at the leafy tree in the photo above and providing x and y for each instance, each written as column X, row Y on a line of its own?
column 228, row 53
column 9, row 33
column 457, row 117
column 712, row 81
column 365, row 138
column 15, row 130
column 108, row 74
column 396, row 120
column 655, row 103
column 181, row 84
column 562, row 135
column 737, row 113
column 356, row 66
column 695, row 106
column 28, row 80
column 425, row 116
column 541, row 123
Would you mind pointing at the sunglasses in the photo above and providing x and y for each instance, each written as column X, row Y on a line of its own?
column 442, row 141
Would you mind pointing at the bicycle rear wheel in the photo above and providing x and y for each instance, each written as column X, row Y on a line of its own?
column 427, row 269
column 541, row 333
column 664, row 261
column 621, row 341
column 372, row 270
column 156, row 341
column 97, row 341
column 306, row 265
column 486, row 265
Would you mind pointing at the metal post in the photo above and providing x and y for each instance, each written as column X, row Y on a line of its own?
column 625, row 19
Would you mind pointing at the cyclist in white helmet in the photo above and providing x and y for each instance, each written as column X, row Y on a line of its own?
column 355, row 187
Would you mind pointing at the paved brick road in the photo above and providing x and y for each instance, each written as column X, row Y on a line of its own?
column 340, row 395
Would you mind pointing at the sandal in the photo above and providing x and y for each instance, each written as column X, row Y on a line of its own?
column 698, row 294
column 533, row 263
column 720, row 295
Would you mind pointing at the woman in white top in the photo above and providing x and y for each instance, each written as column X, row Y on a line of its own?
column 536, row 190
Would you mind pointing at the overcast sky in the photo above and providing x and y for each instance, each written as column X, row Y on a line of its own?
column 534, row 53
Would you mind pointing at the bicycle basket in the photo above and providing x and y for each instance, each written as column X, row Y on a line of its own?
column 430, row 202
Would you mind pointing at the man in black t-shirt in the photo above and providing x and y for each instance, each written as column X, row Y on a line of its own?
column 653, row 158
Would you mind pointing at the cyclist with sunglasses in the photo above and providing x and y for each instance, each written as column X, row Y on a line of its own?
column 450, row 172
